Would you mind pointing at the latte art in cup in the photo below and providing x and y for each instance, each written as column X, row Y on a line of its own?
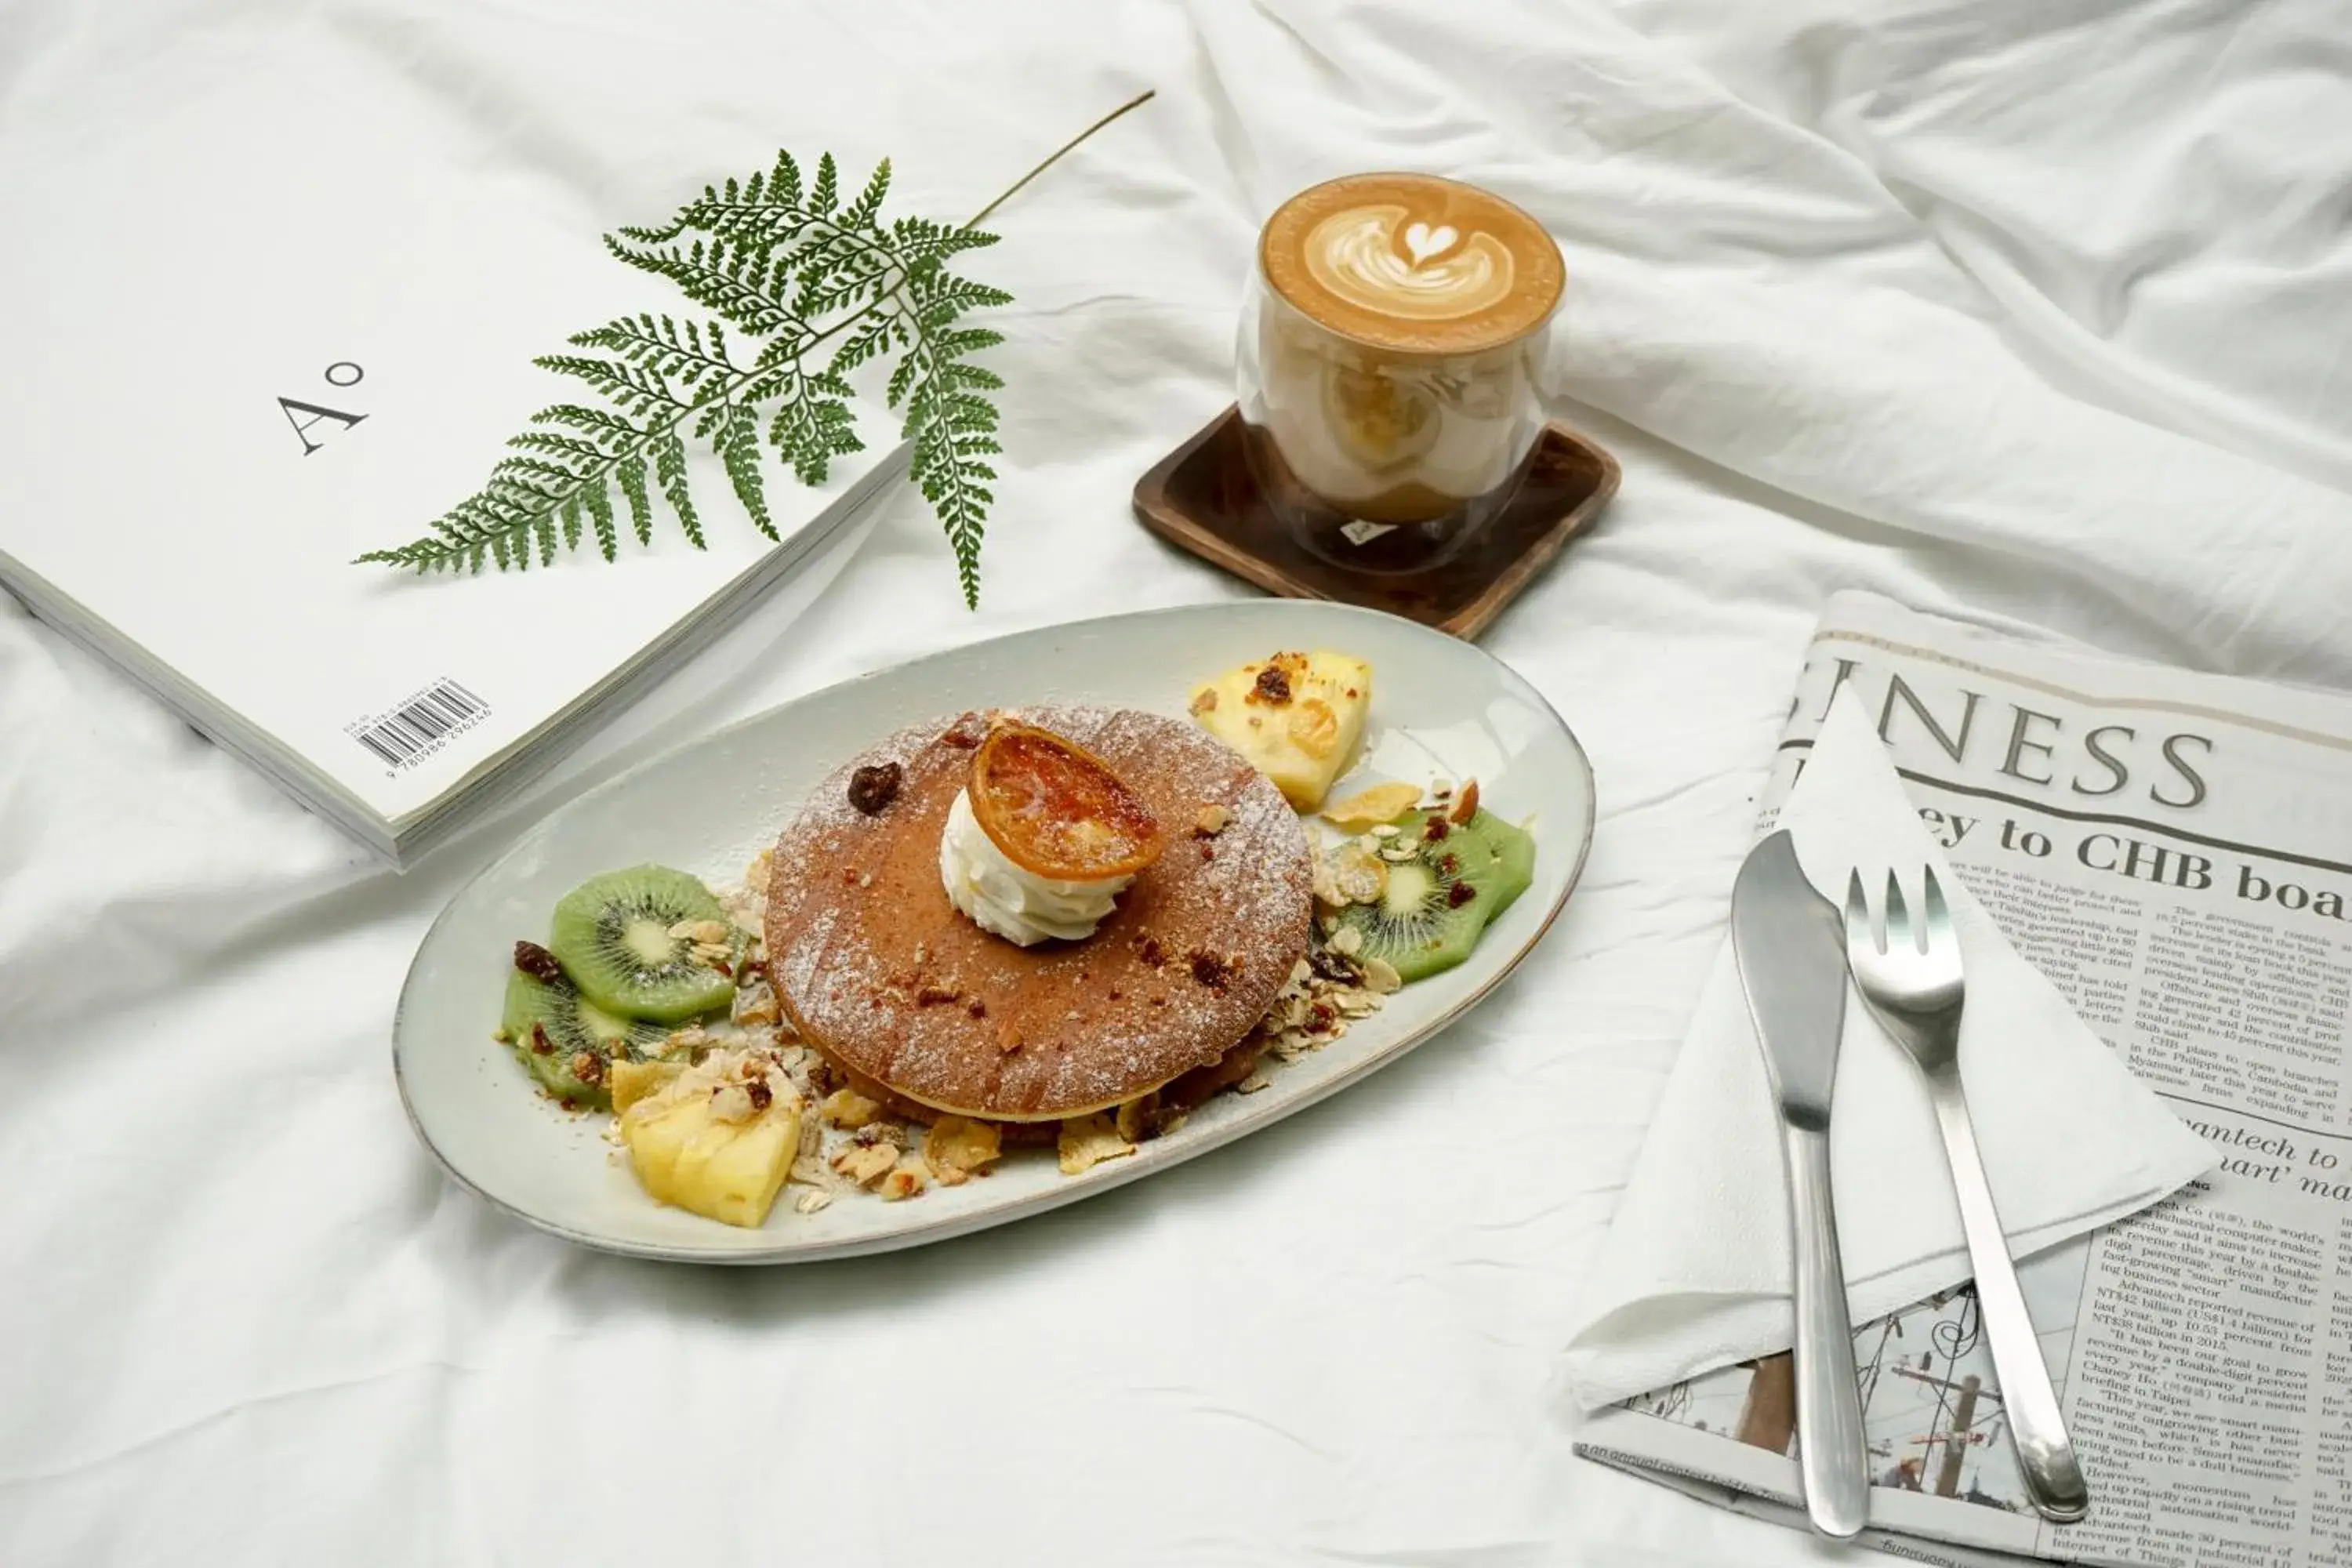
column 1375, row 259
column 1389, row 362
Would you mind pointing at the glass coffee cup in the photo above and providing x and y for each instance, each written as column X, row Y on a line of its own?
column 1389, row 365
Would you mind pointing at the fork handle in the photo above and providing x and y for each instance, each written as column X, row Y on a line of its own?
column 1831, row 1458
column 2046, row 1455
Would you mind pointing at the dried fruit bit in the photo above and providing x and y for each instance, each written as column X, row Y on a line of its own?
column 904, row 1181
column 1466, row 806
column 848, row 1108
column 957, row 1147
column 1459, row 894
column 1210, row 821
column 867, row 1163
column 538, row 963
column 1088, row 1141
column 1210, row 969
column 1272, row 683
column 1371, row 807
column 541, row 1046
column 874, row 787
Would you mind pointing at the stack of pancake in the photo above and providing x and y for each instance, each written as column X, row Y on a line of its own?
column 918, row 1007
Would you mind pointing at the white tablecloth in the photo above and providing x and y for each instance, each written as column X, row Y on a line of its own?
column 2035, row 312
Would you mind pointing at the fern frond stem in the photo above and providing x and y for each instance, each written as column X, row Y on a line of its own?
column 1138, row 102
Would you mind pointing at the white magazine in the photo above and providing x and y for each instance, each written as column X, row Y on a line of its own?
column 285, row 313
column 2175, row 852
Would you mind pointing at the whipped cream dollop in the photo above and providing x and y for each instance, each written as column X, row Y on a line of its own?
column 1016, row 904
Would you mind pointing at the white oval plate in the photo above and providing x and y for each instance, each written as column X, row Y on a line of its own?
column 1441, row 708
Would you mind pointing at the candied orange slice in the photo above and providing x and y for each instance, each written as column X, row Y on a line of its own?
column 1056, row 809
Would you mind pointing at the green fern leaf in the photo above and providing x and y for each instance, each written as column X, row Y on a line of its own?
column 631, row 475
column 738, row 448
column 600, row 515
column 669, row 466
column 783, row 267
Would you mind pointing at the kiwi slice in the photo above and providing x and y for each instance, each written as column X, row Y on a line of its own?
column 1429, row 917
column 1492, row 855
column 1499, row 859
column 612, row 934
column 550, row 1025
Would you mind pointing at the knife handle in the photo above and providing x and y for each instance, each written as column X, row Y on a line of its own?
column 1830, row 1449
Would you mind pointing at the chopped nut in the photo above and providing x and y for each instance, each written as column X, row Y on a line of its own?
column 811, row 1200
column 848, row 1108
column 1385, row 831
column 1252, row 1084
column 702, row 933
column 1205, row 702
column 1210, row 821
column 587, row 1067
column 867, row 1163
column 1346, row 942
column 872, row 788
column 904, row 1181
column 957, row 1147
column 538, row 963
column 734, row 1102
column 930, row 995
column 757, row 1006
column 1088, row 1141
column 1381, row 803
column 1380, row 976
column 1008, row 1038
column 1467, row 807
column 541, row 1046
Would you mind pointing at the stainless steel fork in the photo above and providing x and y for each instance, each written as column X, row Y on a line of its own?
column 1913, row 983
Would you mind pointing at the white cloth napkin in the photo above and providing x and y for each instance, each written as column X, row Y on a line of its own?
column 1694, row 1274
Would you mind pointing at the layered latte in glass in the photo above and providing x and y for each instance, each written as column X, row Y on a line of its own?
column 1389, row 363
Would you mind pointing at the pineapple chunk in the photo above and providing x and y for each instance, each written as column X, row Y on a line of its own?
column 1297, row 717
column 718, row 1139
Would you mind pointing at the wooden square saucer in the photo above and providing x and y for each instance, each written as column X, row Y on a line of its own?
column 1202, row 497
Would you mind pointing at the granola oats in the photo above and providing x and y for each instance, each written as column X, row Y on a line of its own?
column 1087, row 1141
column 866, row 1164
column 957, row 1148
column 847, row 1108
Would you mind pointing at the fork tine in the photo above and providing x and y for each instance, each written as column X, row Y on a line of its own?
column 1859, row 937
column 1898, row 917
column 1939, row 917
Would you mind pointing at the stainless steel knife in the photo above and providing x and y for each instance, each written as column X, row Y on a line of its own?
column 1789, row 943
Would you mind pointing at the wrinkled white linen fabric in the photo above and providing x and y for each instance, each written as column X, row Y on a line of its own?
column 2029, row 313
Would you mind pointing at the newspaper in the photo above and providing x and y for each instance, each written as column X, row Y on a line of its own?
column 2175, row 851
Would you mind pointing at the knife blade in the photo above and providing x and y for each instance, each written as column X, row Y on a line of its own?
column 1789, row 943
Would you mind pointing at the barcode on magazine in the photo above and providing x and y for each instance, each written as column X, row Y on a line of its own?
column 425, row 724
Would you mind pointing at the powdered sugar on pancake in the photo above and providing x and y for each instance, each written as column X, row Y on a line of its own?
column 871, row 959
